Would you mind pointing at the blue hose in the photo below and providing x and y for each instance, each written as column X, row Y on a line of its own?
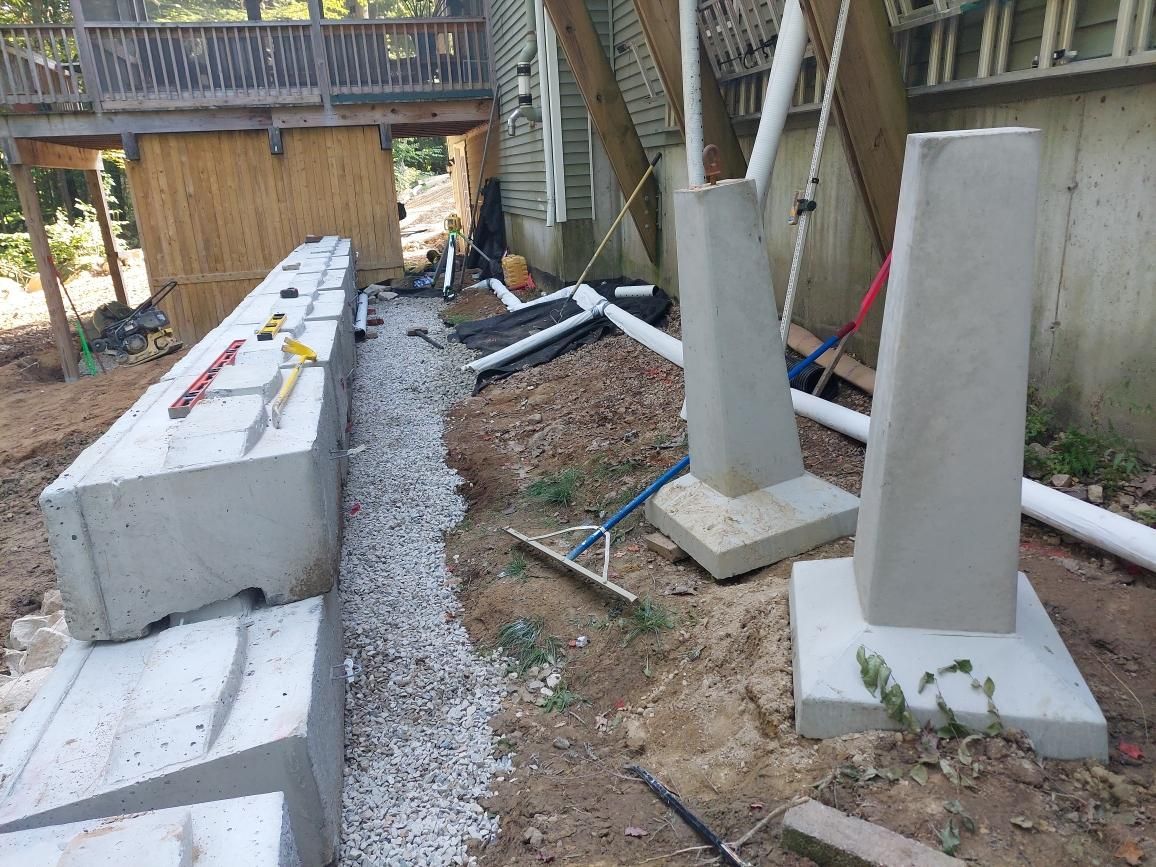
column 645, row 495
column 801, row 366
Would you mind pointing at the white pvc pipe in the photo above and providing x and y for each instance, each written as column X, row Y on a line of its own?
column 784, row 73
column 512, row 301
column 553, row 116
column 529, row 344
column 547, row 126
column 359, row 321
column 691, row 91
column 449, row 254
column 635, row 291
column 1121, row 536
column 655, row 339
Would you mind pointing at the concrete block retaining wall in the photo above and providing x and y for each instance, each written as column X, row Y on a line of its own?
column 225, row 708
column 162, row 515
column 164, row 528
column 253, row 831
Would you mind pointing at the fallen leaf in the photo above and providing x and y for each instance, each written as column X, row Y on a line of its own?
column 635, row 832
column 919, row 774
column 1132, row 751
column 757, row 806
column 354, row 509
column 1129, row 852
column 1022, row 822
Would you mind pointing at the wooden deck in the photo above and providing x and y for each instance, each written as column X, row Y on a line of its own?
column 130, row 66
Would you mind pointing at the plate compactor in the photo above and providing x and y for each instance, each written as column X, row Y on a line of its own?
column 135, row 335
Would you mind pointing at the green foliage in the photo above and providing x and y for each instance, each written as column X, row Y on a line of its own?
column 876, row 676
column 562, row 699
column 1039, row 421
column 516, row 568
column 1096, row 454
column 557, row 489
column 417, row 158
column 523, row 640
column 72, row 244
column 648, row 616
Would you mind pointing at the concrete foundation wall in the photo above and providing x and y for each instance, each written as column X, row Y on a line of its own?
column 1094, row 304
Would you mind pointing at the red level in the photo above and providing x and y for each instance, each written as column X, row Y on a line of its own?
column 184, row 404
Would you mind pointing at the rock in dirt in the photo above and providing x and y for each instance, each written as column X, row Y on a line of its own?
column 44, row 649
column 51, row 603
column 635, row 732
column 827, row 836
column 533, row 838
column 16, row 694
column 663, row 547
column 14, row 659
column 1095, row 494
column 24, row 628
column 561, row 744
column 1061, row 480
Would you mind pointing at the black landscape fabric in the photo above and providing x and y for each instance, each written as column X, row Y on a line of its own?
column 497, row 332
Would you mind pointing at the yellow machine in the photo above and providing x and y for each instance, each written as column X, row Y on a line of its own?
column 135, row 335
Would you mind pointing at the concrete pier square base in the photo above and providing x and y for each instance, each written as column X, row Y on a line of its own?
column 224, row 708
column 251, row 831
column 728, row 536
column 1037, row 686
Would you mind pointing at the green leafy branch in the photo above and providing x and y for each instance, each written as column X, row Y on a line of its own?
column 876, row 676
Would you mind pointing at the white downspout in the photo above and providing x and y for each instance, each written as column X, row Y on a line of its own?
column 785, row 65
column 553, row 116
column 692, row 91
column 547, row 126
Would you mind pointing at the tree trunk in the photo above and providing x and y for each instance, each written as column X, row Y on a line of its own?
column 253, row 10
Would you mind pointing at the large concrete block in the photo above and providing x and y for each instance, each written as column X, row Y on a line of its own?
column 934, row 577
column 162, row 515
column 252, row 831
column 747, row 501
column 224, row 708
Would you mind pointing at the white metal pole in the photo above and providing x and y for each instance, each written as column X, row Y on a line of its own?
column 691, row 91
column 813, row 179
column 789, row 48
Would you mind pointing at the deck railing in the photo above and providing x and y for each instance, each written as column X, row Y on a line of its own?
column 129, row 65
column 39, row 65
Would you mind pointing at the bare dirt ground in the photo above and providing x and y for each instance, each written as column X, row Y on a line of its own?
column 423, row 227
column 46, row 423
column 707, row 705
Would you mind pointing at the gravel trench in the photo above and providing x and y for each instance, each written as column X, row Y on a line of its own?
column 418, row 745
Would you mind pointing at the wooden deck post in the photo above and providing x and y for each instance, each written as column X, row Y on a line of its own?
column 96, row 198
column 659, row 20
column 607, row 108
column 61, row 333
column 320, row 58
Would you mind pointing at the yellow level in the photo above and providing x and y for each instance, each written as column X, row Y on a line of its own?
column 271, row 327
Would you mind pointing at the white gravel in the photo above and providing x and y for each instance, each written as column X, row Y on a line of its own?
column 418, row 745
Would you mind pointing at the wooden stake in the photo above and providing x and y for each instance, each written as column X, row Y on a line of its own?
column 61, row 334
column 97, row 200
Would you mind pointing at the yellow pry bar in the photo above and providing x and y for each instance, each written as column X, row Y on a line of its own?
column 270, row 328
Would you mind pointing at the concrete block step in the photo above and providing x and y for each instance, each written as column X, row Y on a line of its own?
column 230, row 707
column 253, row 831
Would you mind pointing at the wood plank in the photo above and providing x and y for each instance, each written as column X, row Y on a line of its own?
column 595, row 78
column 100, row 205
column 870, row 105
column 218, row 210
column 49, row 155
column 34, row 220
column 659, row 20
